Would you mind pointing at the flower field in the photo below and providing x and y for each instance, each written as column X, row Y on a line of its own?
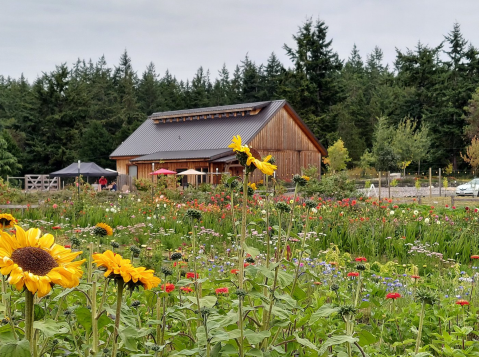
column 238, row 272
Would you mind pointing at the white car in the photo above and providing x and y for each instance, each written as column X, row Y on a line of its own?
column 468, row 189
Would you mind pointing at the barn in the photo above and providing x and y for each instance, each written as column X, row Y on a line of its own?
column 199, row 138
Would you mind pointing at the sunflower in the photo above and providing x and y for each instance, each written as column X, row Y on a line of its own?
column 7, row 220
column 253, row 186
column 264, row 166
column 237, row 147
column 118, row 268
column 103, row 229
column 37, row 262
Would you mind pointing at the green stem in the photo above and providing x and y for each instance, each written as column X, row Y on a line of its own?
column 240, row 325
column 419, row 331
column 306, row 228
column 94, row 321
column 158, row 317
column 241, row 260
column 29, row 318
column 119, row 298
column 358, row 289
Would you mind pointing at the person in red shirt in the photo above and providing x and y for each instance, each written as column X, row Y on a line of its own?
column 103, row 182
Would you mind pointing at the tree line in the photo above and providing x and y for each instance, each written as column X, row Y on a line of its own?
column 84, row 111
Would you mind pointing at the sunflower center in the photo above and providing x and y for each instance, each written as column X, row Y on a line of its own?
column 5, row 222
column 34, row 260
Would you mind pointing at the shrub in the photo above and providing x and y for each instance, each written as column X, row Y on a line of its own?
column 142, row 184
column 337, row 186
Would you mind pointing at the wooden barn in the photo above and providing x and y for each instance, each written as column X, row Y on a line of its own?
column 199, row 138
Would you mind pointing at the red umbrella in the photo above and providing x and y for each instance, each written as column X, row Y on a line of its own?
column 163, row 172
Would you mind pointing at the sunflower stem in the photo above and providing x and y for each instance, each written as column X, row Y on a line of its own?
column 119, row 298
column 94, row 320
column 241, row 259
column 158, row 317
column 90, row 262
column 419, row 330
column 29, row 318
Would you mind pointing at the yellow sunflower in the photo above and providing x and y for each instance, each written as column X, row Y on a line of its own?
column 264, row 166
column 7, row 220
column 118, row 268
column 35, row 261
column 305, row 177
column 253, row 186
column 237, row 147
column 103, row 229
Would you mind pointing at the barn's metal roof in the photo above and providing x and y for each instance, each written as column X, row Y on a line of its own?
column 195, row 135
column 184, row 154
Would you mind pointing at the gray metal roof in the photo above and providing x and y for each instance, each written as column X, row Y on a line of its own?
column 226, row 158
column 194, row 111
column 209, row 134
column 184, row 154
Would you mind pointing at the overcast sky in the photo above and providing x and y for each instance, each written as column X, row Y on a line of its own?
column 181, row 35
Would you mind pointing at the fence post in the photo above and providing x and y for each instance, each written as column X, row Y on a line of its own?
column 452, row 201
column 440, row 182
column 379, row 194
column 389, row 185
column 430, row 182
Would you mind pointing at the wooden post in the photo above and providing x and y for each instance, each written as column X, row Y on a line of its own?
column 430, row 182
column 452, row 201
column 440, row 182
column 389, row 185
column 379, row 187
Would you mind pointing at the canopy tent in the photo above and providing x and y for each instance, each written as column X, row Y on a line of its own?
column 88, row 169
column 162, row 172
column 191, row 172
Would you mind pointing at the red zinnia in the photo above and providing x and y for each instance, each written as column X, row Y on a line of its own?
column 393, row 296
column 168, row 287
column 191, row 275
column 56, row 227
column 462, row 302
column 415, row 277
column 361, row 259
column 222, row 291
column 186, row 289
column 67, row 246
column 234, row 271
column 353, row 273
column 474, row 256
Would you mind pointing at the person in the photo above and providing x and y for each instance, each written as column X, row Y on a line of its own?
column 113, row 187
column 103, row 182
column 95, row 186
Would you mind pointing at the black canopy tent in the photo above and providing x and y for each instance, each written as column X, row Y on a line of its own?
column 88, row 169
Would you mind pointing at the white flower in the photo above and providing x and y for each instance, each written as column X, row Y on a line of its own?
column 403, row 211
column 148, row 217
column 438, row 222
column 426, row 220
column 119, row 196
column 416, row 212
column 391, row 213
column 164, row 205
column 108, row 210
column 314, row 210
column 139, row 200
column 157, row 205
column 263, row 212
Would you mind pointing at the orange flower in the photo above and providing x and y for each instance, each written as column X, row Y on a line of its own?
column 186, row 289
column 168, row 287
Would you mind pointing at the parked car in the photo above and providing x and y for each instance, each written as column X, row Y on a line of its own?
column 468, row 189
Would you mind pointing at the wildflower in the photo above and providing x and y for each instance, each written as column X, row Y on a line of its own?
column 191, row 275
column 7, row 220
column 222, row 291
column 168, row 287
column 361, row 259
column 234, row 271
column 317, row 283
column 415, row 277
column 56, row 228
column 353, row 274
column 474, row 256
column 393, row 296
column 37, row 262
column 186, row 289
column 462, row 302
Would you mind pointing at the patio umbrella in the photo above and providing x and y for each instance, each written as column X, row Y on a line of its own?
column 163, row 172
column 192, row 172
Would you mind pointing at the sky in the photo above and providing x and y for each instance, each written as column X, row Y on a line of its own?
column 182, row 35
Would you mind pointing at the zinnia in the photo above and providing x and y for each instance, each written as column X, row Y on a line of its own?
column 191, row 275
column 393, row 296
column 36, row 262
column 222, row 291
column 415, row 277
column 474, row 256
column 186, row 289
column 234, row 271
column 462, row 302
column 353, row 273
column 361, row 259
column 168, row 287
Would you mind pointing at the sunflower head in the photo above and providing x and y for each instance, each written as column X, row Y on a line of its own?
column 264, row 166
column 102, row 229
column 301, row 181
column 36, row 262
column 7, row 220
column 117, row 268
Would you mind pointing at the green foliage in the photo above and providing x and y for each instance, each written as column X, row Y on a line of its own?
column 338, row 156
column 143, row 185
column 336, row 186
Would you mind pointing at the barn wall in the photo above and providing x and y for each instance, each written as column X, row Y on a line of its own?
column 282, row 133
